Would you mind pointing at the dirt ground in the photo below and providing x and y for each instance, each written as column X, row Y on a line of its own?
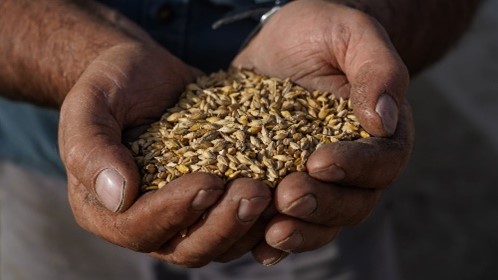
column 445, row 206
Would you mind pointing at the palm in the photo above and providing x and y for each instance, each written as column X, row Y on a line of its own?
column 309, row 50
column 337, row 49
column 123, row 89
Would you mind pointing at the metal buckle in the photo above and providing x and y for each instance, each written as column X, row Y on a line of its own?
column 264, row 15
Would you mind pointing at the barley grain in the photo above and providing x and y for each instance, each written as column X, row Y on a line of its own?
column 241, row 124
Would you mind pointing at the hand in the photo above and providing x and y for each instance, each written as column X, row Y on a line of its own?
column 329, row 47
column 123, row 89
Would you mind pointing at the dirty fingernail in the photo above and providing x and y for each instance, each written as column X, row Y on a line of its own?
column 332, row 173
column 292, row 242
column 205, row 198
column 274, row 258
column 109, row 187
column 387, row 110
column 302, row 207
column 250, row 209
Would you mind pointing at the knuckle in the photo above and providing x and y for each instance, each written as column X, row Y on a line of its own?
column 219, row 238
column 137, row 238
column 71, row 155
column 133, row 243
column 204, row 255
column 203, row 180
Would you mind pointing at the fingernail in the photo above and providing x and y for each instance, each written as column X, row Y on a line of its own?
column 205, row 198
column 302, row 207
column 250, row 209
column 109, row 187
column 387, row 110
column 273, row 260
column 333, row 173
column 291, row 243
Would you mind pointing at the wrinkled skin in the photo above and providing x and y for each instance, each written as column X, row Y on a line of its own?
column 344, row 51
column 131, row 84
column 123, row 89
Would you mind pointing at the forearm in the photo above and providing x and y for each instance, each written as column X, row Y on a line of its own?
column 421, row 30
column 46, row 45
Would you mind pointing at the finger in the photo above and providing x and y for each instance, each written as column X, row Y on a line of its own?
column 267, row 255
column 225, row 225
column 378, row 78
column 154, row 218
column 371, row 163
column 293, row 235
column 255, row 235
column 91, row 148
column 304, row 197
column 356, row 56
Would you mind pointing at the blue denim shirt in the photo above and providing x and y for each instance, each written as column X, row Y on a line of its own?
column 28, row 134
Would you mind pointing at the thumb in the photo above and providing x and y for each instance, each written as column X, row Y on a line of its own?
column 91, row 149
column 377, row 92
column 379, row 80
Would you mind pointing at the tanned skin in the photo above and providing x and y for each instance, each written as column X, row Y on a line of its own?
column 109, row 79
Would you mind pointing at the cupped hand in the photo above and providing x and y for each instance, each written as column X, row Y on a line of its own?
column 325, row 46
column 192, row 220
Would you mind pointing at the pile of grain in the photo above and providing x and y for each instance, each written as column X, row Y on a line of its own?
column 241, row 124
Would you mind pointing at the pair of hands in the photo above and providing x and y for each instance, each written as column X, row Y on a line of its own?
column 128, row 86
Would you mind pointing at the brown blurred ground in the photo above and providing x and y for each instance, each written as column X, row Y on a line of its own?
column 445, row 206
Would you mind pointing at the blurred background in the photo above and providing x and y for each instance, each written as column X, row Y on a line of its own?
column 445, row 206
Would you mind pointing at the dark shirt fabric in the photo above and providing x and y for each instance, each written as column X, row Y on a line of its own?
column 28, row 134
column 184, row 27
